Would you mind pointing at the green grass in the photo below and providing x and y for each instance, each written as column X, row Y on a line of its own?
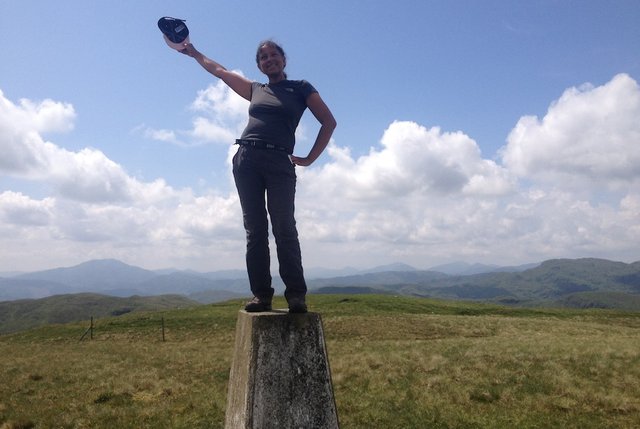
column 396, row 362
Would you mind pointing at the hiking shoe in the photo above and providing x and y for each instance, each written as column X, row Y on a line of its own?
column 297, row 305
column 256, row 305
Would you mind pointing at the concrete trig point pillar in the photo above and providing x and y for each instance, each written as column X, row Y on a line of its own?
column 280, row 376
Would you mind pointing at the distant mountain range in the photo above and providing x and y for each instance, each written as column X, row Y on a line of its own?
column 115, row 278
column 98, row 288
column 577, row 283
column 465, row 269
column 574, row 282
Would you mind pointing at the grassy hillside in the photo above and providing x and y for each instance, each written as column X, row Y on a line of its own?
column 29, row 313
column 584, row 282
column 396, row 362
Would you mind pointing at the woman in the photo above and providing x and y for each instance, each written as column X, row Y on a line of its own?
column 264, row 165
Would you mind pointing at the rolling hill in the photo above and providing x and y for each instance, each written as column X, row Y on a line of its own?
column 575, row 283
column 29, row 313
column 579, row 283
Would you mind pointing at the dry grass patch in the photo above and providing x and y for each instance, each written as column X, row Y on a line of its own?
column 486, row 371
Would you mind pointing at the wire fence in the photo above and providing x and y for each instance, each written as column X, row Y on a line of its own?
column 89, row 332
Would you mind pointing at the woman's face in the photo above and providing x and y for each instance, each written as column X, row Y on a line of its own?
column 270, row 61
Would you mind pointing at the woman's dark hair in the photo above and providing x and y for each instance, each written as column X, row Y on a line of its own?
column 273, row 45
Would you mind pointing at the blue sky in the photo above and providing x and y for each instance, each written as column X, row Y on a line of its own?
column 501, row 132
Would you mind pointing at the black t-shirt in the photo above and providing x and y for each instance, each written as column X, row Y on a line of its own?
column 275, row 111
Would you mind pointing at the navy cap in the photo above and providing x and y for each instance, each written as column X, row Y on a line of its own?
column 175, row 32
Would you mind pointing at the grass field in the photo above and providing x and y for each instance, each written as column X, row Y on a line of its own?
column 396, row 362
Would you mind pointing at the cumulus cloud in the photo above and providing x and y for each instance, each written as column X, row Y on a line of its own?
column 412, row 161
column 96, row 208
column 87, row 175
column 20, row 210
column 21, row 126
column 420, row 195
column 167, row 136
column 43, row 117
column 418, row 186
column 428, row 193
column 220, row 116
column 181, row 230
column 588, row 137
column 221, row 104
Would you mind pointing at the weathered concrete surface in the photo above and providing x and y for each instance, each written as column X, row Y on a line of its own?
column 280, row 376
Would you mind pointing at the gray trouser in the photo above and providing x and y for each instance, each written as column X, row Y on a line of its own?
column 260, row 172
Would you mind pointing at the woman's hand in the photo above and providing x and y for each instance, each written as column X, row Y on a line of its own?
column 302, row 162
column 189, row 50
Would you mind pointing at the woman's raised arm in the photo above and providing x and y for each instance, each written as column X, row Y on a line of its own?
column 240, row 84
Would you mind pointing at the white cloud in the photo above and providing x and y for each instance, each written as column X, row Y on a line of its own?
column 19, row 210
column 221, row 104
column 413, row 162
column 206, row 130
column 588, row 137
column 221, row 115
column 21, row 126
column 97, row 209
column 87, row 175
column 43, row 117
column 181, row 229
column 426, row 194
column 167, row 136
column 421, row 195
column 420, row 187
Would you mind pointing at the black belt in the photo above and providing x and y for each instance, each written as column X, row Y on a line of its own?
column 262, row 145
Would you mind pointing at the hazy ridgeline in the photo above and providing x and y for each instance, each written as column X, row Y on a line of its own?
column 397, row 362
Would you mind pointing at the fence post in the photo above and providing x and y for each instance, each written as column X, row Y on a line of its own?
column 88, row 331
column 163, row 329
